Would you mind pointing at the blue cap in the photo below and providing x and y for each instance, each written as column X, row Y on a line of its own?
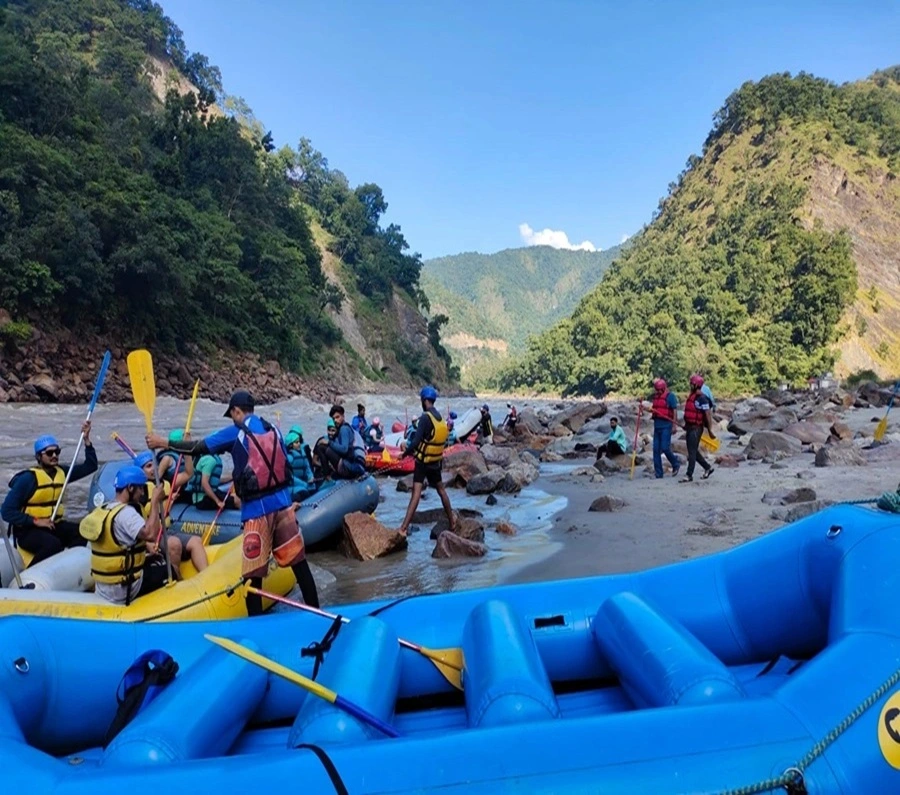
column 130, row 475
column 428, row 393
column 143, row 458
column 43, row 442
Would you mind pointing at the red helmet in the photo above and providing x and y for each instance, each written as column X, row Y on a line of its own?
column 696, row 380
column 659, row 384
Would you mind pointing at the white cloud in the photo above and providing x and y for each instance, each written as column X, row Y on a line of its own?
column 552, row 237
column 624, row 238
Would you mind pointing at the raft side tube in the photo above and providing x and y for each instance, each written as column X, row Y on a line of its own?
column 658, row 661
column 363, row 666
column 504, row 679
column 193, row 717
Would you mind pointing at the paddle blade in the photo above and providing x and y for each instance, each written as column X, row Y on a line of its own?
column 143, row 386
column 98, row 386
column 190, row 417
column 881, row 429
column 712, row 445
column 385, row 456
column 448, row 661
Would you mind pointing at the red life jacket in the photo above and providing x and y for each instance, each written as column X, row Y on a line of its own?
column 267, row 470
column 692, row 415
column 660, row 409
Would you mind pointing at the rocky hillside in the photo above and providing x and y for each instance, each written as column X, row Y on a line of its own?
column 495, row 302
column 773, row 258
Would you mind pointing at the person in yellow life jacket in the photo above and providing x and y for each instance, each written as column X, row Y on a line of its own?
column 181, row 545
column 33, row 494
column 427, row 447
column 118, row 534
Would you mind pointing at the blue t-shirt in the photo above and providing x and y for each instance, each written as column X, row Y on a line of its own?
column 226, row 441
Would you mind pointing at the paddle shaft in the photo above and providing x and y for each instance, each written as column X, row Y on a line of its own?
column 12, row 560
column 123, row 445
column 98, row 387
column 637, row 431
column 212, row 525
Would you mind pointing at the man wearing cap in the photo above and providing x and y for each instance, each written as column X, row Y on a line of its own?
column 262, row 481
column 33, row 494
column 119, row 533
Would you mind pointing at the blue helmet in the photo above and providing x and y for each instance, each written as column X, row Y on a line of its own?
column 453, row 415
column 130, row 475
column 143, row 458
column 43, row 442
column 428, row 393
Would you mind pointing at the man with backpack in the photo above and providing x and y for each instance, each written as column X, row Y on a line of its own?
column 263, row 481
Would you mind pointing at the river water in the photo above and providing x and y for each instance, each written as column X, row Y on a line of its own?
column 343, row 580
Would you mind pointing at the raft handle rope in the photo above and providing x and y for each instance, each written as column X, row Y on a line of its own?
column 228, row 591
column 792, row 780
column 319, row 648
column 22, row 666
column 834, row 531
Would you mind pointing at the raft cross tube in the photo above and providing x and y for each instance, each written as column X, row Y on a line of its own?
column 200, row 714
column 659, row 662
column 504, row 678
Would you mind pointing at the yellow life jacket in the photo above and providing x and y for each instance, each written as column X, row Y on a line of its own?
column 167, row 489
column 431, row 449
column 40, row 506
column 111, row 563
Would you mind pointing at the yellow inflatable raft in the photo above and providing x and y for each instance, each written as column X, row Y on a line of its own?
column 214, row 593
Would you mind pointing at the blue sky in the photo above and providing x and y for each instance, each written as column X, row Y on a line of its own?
column 478, row 117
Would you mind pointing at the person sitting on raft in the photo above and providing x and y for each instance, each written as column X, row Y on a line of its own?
column 262, row 480
column 374, row 436
column 451, row 437
column 344, row 454
column 487, row 426
column 359, row 422
column 300, row 460
column 180, row 545
column 119, row 533
column 167, row 460
column 33, row 494
column 616, row 443
column 410, row 433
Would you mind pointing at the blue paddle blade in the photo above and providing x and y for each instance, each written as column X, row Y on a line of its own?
column 365, row 716
column 101, row 377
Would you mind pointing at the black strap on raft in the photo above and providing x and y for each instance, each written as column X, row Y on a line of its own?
column 318, row 649
column 336, row 781
column 144, row 680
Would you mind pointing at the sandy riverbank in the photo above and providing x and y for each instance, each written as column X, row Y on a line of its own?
column 664, row 521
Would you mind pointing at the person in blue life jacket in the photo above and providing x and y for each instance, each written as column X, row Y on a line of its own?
column 427, row 447
column 181, row 545
column 343, row 455
column 374, row 436
column 33, row 494
column 262, row 481
column 300, row 460
column 359, row 422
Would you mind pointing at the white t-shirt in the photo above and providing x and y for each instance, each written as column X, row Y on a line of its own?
column 126, row 528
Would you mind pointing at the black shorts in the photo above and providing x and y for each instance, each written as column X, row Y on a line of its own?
column 430, row 472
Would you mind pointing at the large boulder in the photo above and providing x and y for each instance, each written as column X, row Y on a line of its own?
column 872, row 394
column 529, row 420
column 519, row 475
column 800, row 510
column 499, row 456
column 577, row 446
column 841, row 431
column 780, row 397
column 442, row 525
column 450, row 545
column 558, row 430
column 809, row 432
column 44, row 386
column 842, row 454
column 486, row 482
column 365, row 538
column 764, row 443
column 758, row 414
column 576, row 416
column 464, row 465
column 610, row 466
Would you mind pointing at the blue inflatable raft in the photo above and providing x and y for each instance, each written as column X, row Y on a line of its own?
column 320, row 515
column 774, row 663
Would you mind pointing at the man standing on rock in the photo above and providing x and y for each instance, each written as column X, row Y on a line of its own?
column 33, row 494
column 697, row 410
column 487, row 426
column 663, row 409
column 427, row 447
column 263, row 481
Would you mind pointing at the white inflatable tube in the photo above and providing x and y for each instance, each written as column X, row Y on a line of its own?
column 69, row 570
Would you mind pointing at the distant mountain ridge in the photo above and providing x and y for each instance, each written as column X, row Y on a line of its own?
column 494, row 302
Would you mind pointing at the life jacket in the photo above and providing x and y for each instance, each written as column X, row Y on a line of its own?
column 300, row 469
column 40, row 504
column 692, row 415
column 144, row 680
column 266, row 470
column 661, row 410
column 431, row 449
column 111, row 563
column 487, row 427
column 174, row 469
column 167, row 490
column 358, row 451
column 195, row 484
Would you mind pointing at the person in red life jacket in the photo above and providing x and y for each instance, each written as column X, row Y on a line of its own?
column 697, row 416
column 663, row 407
column 262, row 480
column 33, row 493
column 511, row 418
column 427, row 447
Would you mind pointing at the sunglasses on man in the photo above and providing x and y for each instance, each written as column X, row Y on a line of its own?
column 51, row 453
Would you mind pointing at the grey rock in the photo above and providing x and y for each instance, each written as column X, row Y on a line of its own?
column 575, row 417
column 486, row 482
column 841, row 454
column 809, row 432
column 607, row 504
column 450, row 545
column 789, row 496
column 764, row 443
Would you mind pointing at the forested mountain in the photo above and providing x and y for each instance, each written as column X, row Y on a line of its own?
column 494, row 302
column 139, row 201
column 774, row 256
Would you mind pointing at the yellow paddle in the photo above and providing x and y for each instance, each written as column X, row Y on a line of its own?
column 143, row 389
column 637, row 431
column 190, row 417
column 881, row 428
column 448, row 661
column 712, row 445
column 187, row 429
